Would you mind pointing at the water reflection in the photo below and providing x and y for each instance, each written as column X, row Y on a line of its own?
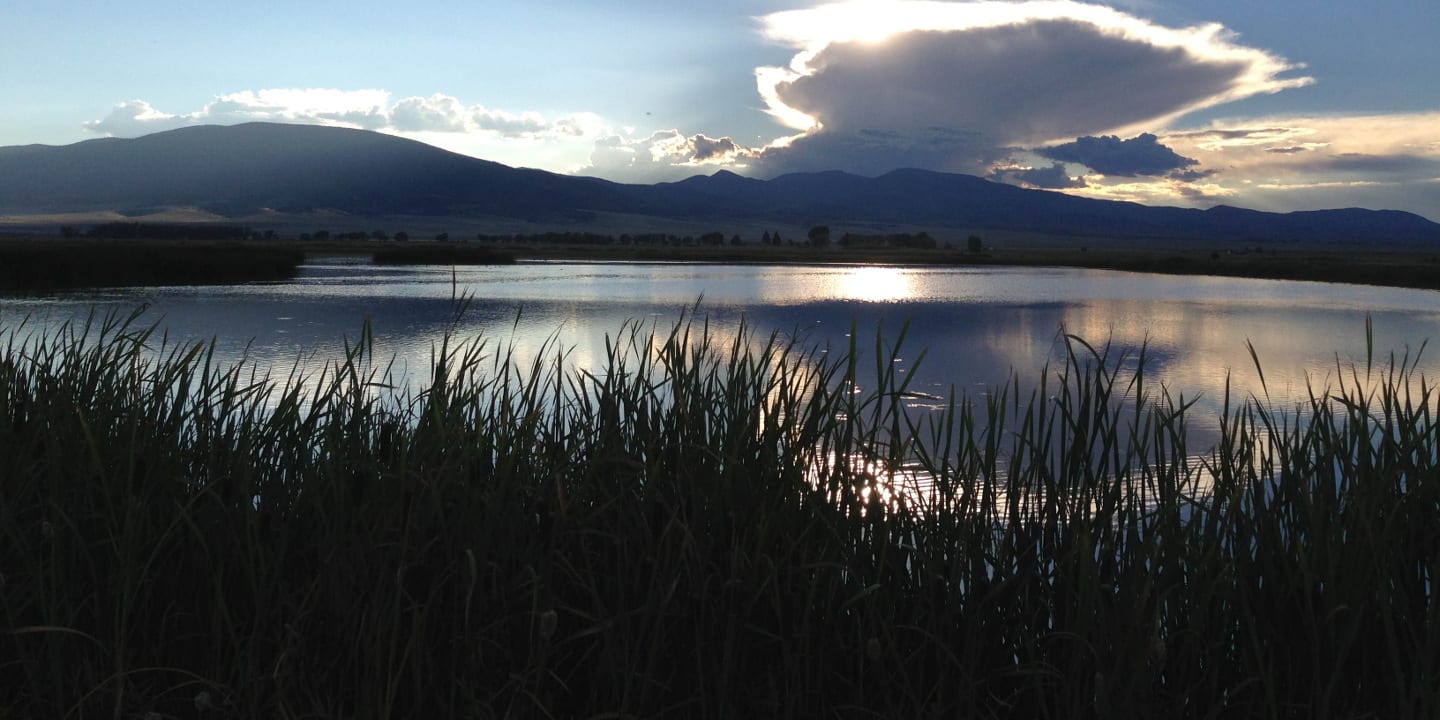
column 976, row 328
column 875, row 284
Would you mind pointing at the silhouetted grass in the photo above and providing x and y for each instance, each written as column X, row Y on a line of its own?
column 442, row 254
column 59, row 265
column 698, row 529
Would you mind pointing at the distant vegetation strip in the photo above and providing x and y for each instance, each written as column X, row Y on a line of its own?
column 122, row 253
column 704, row 525
column 66, row 265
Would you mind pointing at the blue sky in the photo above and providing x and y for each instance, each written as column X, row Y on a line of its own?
column 1276, row 106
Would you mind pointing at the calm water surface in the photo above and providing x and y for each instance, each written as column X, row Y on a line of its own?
column 975, row 326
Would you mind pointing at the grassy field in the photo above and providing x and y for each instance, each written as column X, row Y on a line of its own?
column 700, row 529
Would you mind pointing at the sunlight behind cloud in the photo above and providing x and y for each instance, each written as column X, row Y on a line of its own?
column 1236, row 71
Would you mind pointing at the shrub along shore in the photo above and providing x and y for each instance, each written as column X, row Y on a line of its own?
column 702, row 527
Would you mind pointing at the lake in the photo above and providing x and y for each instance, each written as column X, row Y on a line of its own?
column 977, row 327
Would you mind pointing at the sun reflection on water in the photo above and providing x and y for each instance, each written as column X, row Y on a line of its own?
column 872, row 283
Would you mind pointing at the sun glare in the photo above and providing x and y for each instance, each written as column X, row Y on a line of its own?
column 875, row 284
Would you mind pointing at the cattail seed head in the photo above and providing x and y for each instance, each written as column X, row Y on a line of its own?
column 872, row 649
column 548, row 622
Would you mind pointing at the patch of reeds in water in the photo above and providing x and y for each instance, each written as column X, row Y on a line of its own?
column 691, row 531
column 39, row 266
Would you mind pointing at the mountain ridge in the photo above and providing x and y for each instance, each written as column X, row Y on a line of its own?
column 244, row 169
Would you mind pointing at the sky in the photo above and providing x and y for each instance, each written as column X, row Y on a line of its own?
column 1277, row 105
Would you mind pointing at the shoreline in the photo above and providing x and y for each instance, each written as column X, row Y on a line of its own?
column 1387, row 268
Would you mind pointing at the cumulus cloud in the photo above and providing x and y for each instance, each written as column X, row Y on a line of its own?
column 437, row 113
column 1055, row 177
column 352, row 108
column 1109, row 155
column 663, row 155
column 365, row 109
column 136, row 117
column 713, row 149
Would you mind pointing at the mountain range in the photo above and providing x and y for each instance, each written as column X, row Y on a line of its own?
column 240, row 170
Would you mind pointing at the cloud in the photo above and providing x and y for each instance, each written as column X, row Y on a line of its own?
column 136, row 117
column 1401, row 165
column 438, row 113
column 663, row 156
column 1190, row 176
column 712, row 148
column 365, row 109
column 1055, row 177
column 1003, row 74
column 875, row 152
column 1109, row 155
column 1299, row 163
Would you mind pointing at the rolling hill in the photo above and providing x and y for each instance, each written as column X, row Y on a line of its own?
column 240, row 170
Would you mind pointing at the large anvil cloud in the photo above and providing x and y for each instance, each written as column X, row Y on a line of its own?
column 1006, row 74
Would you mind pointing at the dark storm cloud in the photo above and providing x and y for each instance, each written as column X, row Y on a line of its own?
column 1109, row 155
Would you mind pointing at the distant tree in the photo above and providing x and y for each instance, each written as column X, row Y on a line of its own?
column 69, row 231
column 735, row 240
column 270, row 235
column 321, row 235
column 379, row 235
column 305, row 237
column 442, row 237
column 974, row 245
column 402, row 236
column 712, row 238
column 819, row 236
column 775, row 239
column 765, row 239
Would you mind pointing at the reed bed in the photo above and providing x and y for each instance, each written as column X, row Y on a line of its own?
column 705, row 526
column 40, row 266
